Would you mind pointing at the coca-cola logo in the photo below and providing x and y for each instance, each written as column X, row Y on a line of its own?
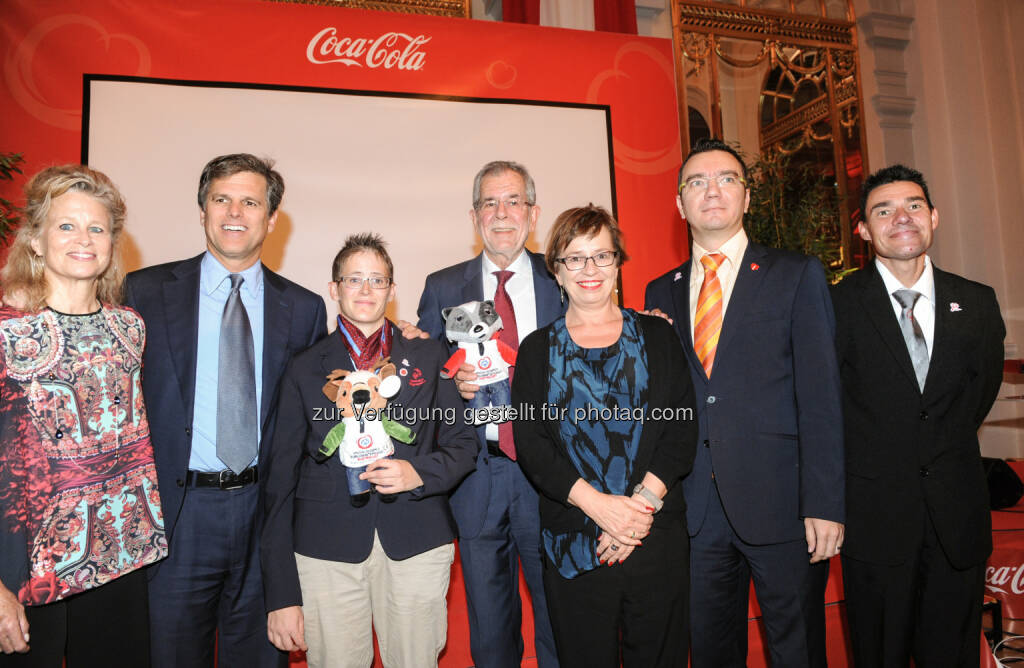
column 392, row 50
column 1005, row 579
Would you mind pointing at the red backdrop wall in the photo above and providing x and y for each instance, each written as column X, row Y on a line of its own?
column 48, row 46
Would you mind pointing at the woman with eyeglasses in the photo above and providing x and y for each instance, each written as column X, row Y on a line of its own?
column 336, row 564
column 606, row 434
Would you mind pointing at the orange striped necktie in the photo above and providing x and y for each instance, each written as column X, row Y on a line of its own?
column 707, row 324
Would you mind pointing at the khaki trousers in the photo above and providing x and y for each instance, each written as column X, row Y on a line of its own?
column 403, row 600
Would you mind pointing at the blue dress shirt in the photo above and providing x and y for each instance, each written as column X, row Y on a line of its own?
column 214, row 288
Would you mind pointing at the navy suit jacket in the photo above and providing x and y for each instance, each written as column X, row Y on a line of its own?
column 911, row 452
column 456, row 285
column 770, row 418
column 307, row 501
column 167, row 297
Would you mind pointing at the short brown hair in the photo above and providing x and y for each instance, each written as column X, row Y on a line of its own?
column 356, row 243
column 23, row 274
column 587, row 221
column 228, row 165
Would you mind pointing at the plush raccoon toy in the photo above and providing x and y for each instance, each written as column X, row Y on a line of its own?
column 475, row 326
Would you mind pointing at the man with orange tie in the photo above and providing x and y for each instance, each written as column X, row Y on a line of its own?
column 766, row 495
column 495, row 507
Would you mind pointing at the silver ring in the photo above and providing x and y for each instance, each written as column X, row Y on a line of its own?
column 615, row 547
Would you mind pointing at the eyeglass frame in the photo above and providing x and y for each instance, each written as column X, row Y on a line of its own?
column 519, row 202
column 588, row 258
column 718, row 179
column 363, row 280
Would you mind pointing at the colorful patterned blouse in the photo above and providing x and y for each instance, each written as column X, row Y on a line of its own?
column 602, row 446
column 79, row 504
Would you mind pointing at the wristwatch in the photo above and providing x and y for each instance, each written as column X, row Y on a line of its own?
column 651, row 497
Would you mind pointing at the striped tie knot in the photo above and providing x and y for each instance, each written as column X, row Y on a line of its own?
column 712, row 261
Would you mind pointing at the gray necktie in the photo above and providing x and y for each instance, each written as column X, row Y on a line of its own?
column 236, row 384
column 912, row 334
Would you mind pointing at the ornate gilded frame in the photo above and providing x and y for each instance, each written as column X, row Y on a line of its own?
column 698, row 27
column 456, row 8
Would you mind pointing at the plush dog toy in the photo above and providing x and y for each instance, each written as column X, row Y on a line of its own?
column 364, row 434
column 475, row 326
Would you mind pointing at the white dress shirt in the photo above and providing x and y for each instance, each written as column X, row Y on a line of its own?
column 924, row 309
column 733, row 249
column 520, row 290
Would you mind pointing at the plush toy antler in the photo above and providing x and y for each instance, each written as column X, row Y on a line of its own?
column 334, row 379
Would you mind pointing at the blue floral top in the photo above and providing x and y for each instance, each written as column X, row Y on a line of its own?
column 601, row 389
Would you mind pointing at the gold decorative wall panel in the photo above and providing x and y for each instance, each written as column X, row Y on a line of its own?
column 779, row 83
column 457, row 8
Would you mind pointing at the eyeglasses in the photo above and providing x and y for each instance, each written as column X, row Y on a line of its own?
column 577, row 262
column 699, row 183
column 514, row 203
column 356, row 282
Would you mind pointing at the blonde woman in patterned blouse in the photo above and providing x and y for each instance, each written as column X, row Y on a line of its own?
column 79, row 507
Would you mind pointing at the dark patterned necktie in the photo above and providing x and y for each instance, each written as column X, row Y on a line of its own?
column 236, row 385
column 912, row 334
column 510, row 336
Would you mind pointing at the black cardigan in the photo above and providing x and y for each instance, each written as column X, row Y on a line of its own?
column 667, row 447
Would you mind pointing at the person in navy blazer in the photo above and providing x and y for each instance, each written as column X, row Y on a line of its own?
column 209, row 587
column 496, row 507
column 765, row 496
column 918, row 528
column 331, row 566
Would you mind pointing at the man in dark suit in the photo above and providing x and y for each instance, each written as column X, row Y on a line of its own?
column 221, row 327
column 765, row 497
column 920, row 356
column 496, row 507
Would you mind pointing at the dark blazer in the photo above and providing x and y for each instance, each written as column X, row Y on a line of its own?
column 456, row 285
column 307, row 501
column 770, row 414
column 167, row 297
column 909, row 452
column 667, row 446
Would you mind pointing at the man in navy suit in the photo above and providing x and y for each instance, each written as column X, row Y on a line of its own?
column 495, row 507
column 765, row 497
column 921, row 359
column 209, row 588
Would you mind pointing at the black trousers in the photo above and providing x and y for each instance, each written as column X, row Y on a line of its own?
column 923, row 608
column 814, row 614
column 106, row 627
column 636, row 612
column 722, row 565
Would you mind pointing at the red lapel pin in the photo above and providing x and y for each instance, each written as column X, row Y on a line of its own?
column 754, row 266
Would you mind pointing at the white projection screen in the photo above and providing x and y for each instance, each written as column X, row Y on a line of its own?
column 352, row 161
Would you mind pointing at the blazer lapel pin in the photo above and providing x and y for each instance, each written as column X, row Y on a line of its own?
column 754, row 266
column 678, row 276
column 954, row 307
